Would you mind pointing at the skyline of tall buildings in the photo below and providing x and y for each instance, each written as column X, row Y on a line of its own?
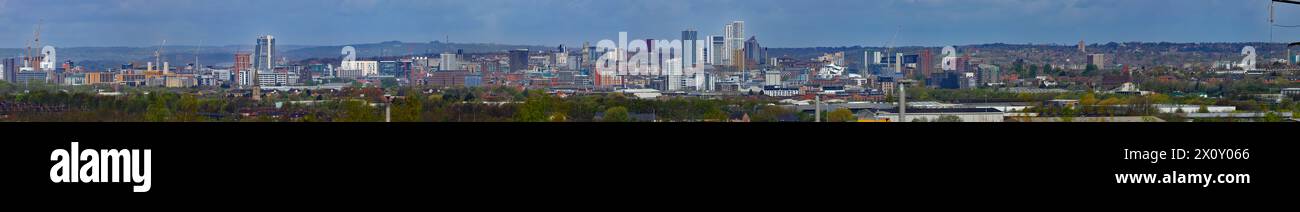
column 732, row 65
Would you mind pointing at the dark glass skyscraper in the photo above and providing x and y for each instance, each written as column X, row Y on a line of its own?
column 518, row 60
column 10, row 69
column 754, row 51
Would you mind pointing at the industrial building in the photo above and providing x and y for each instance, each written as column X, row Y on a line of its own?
column 931, row 114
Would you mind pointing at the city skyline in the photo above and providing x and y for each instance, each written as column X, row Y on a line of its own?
column 571, row 22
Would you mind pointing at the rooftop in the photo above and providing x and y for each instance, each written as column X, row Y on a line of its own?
column 942, row 110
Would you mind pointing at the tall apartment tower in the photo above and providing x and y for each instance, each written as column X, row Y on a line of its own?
column 263, row 60
column 10, row 68
column 518, row 60
column 718, row 50
column 263, row 57
column 1098, row 60
column 243, row 68
column 689, row 54
column 735, row 40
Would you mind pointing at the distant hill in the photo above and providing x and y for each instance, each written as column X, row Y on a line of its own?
column 395, row 48
column 99, row 58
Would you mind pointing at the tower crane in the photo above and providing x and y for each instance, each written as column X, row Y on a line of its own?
column 157, row 55
column 31, row 60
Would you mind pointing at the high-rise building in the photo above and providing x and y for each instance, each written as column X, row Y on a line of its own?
column 10, row 68
column 358, row 68
column 449, row 62
column 735, row 41
column 1098, row 60
column 772, row 78
column 718, row 51
column 703, row 82
column 867, row 61
column 389, row 68
column 518, row 60
column 926, row 65
column 263, row 57
column 989, row 74
column 689, row 55
column 243, row 63
column 589, row 55
column 754, row 51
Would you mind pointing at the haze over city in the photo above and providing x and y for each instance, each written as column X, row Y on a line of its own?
column 650, row 61
column 780, row 23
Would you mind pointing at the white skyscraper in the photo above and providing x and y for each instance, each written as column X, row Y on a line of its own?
column 717, row 50
column 866, row 62
column 689, row 54
column 734, row 34
column 263, row 60
column 449, row 62
column 264, row 54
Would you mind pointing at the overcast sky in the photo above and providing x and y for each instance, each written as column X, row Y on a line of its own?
column 777, row 23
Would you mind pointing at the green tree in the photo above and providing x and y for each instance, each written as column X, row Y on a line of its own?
column 716, row 114
column 558, row 116
column 388, row 83
column 539, row 107
column 616, row 114
column 1272, row 117
column 767, row 113
column 841, row 115
column 408, row 110
column 1088, row 102
column 1068, row 115
column 358, row 111
column 158, row 110
column 187, row 108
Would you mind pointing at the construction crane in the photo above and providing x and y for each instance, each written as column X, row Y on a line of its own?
column 31, row 60
column 157, row 55
column 889, row 48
